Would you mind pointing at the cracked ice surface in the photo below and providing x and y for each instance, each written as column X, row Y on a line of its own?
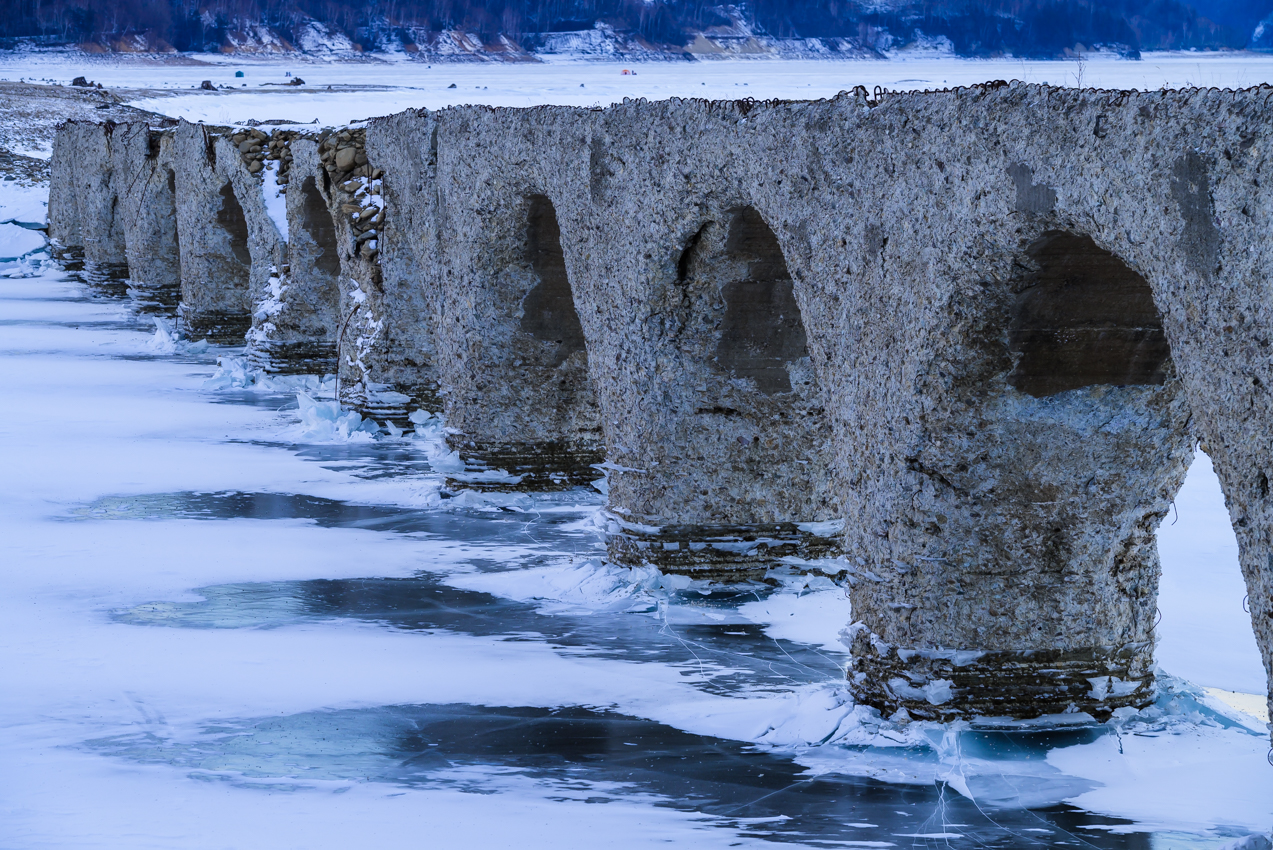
column 206, row 606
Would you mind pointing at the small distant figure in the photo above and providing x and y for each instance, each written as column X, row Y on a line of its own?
column 206, row 85
column 296, row 81
column 287, row 73
column 626, row 72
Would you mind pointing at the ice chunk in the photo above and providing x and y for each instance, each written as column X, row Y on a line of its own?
column 327, row 421
column 938, row 691
column 167, row 340
column 16, row 241
column 24, row 204
column 234, row 373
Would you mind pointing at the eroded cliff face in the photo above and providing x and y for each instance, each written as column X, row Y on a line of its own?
column 963, row 339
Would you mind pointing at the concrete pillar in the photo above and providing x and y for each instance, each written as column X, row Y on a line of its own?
column 213, row 234
column 142, row 159
column 295, row 326
column 1020, row 342
column 84, row 205
column 714, row 415
column 401, row 149
column 375, row 377
column 514, row 363
column 1015, row 569
column 64, row 206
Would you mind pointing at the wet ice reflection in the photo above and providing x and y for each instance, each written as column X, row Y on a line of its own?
column 727, row 656
column 600, row 756
column 815, row 795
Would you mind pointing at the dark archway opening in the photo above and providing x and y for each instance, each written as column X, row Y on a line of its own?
column 1084, row 318
column 762, row 330
column 318, row 223
column 548, row 311
column 232, row 220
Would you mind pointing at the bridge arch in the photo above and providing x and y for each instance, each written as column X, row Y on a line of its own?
column 523, row 365
column 741, row 463
column 1027, row 560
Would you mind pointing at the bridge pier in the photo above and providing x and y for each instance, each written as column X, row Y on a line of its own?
column 296, row 322
column 83, row 210
column 354, row 189
column 514, row 362
column 1016, row 571
column 212, row 230
column 404, row 357
column 714, row 414
column 144, row 170
column 1017, row 381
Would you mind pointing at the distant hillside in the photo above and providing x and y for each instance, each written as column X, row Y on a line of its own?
column 513, row 30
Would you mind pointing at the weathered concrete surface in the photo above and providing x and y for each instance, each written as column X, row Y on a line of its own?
column 82, row 208
column 997, row 535
column 212, row 228
column 405, row 354
column 369, row 372
column 515, row 375
column 144, row 173
column 715, row 415
column 296, row 323
column 982, row 326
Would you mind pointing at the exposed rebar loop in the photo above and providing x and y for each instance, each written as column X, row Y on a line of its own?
column 340, row 340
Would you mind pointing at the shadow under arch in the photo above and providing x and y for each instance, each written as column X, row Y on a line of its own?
column 762, row 331
column 1084, row 318
column 317, row 222
column 234, row 223
column 742, row 467
column 1056, row 436
column 548, row 311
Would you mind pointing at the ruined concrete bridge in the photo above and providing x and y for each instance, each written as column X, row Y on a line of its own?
column 964, row 342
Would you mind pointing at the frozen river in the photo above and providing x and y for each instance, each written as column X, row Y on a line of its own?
column 227, row 622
